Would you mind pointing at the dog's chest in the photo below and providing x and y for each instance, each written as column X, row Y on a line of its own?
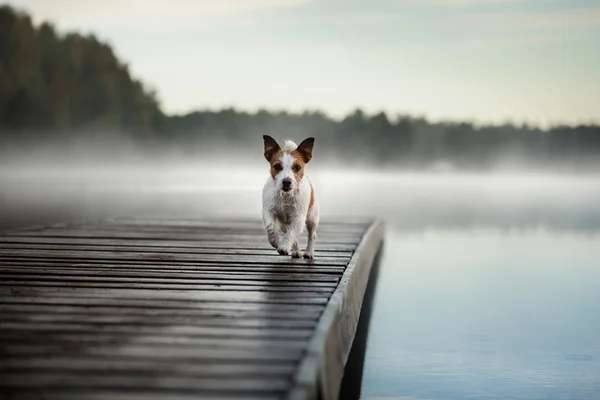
column 284, row 210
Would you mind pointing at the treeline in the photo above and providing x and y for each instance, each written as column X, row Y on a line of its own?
column 69, row 87
column 401, row 141
column 50, row 82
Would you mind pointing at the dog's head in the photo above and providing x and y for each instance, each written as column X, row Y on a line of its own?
column 287, row 163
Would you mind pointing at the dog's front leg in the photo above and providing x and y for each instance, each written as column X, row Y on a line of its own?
column 291, row 236
column 272, row 228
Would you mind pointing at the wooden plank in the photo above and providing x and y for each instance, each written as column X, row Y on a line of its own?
column 166, row 278
column 148, row 307
column 143, row 366
column 145, row 295
column 177, row 308
column 49, row 282
column 153, row 351
column 91, row 299
column 166, row 243
column 174, row 318
column 140, row 394
column 223, row 275
column 296, row 264
column 97, row 338
column 7, row 311
column 231, row 240
column 60, row 245
column 132, row 330
column 161, row 257
column 171, row 267
column 274, row 268
column 162, row 383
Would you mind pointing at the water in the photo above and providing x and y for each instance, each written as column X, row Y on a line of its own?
column 489, row 285
column 469, row 314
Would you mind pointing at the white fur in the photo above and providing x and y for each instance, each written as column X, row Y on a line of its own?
column 285, row 214
column 289, row 145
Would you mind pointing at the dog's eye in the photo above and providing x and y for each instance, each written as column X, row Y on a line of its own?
column 277, row 167
column 297, row 168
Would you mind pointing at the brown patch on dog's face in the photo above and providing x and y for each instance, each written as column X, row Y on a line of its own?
column 276, row 163
column 298, row 165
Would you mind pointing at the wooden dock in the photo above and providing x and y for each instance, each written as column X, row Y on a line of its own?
column 178, row 309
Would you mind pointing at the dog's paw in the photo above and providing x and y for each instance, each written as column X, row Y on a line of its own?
column 284, row 251
column 309, row 255
column 274, row 241
column 296, row 254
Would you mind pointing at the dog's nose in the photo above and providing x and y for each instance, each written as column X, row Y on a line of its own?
column 286, row 183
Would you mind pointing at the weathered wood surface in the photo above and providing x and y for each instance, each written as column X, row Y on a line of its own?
column 178, row 309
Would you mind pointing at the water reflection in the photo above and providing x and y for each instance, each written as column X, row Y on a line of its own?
column 486, row 315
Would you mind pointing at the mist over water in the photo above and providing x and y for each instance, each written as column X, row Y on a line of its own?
column 225, row 184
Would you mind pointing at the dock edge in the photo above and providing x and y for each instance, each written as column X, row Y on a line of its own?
column 320, row 372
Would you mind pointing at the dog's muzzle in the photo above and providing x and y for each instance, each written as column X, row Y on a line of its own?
column 286, row 185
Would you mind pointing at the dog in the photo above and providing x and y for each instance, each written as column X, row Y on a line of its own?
column 289, row 199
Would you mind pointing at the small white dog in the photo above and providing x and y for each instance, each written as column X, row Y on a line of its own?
column 289, row 200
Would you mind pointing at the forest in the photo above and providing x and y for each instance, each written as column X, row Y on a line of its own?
column 65, row 88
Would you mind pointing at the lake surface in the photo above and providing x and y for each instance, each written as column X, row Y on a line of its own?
column 486, row 315
column 489, row 285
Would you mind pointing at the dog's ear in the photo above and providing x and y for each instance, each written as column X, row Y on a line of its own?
column 271, row 147
column 305, row 148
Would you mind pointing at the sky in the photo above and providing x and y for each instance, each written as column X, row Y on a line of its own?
column 488, row 61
